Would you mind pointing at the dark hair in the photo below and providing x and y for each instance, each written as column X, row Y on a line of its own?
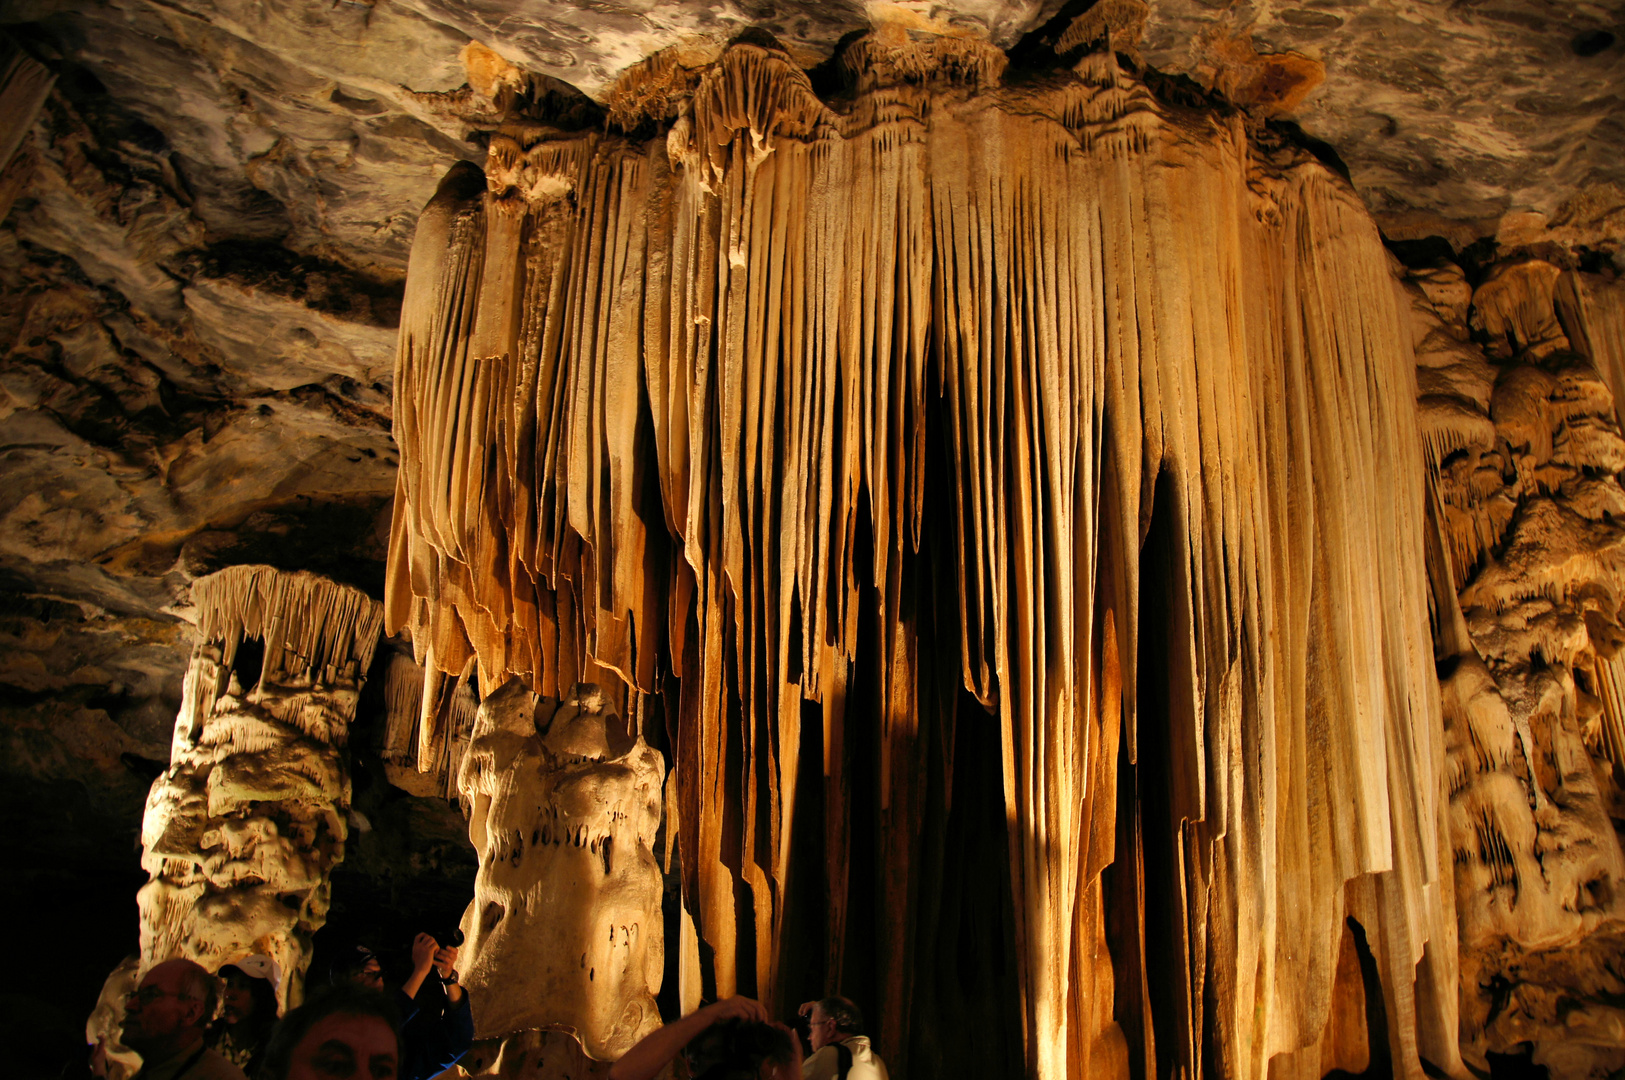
column 348, row 964
column 845, row 1012
column 737, row 1050
column 346, row 1000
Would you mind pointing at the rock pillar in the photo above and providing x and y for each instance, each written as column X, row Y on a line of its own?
column 564, row 933
column 243, row 830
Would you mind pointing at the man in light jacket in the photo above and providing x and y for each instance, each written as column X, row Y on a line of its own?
column 841, row 1050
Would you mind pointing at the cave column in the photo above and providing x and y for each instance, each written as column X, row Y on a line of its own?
column 564, row 935
column 242, row 832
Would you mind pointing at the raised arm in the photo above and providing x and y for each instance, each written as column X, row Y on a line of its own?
column 652, row 1053
column 423, row 950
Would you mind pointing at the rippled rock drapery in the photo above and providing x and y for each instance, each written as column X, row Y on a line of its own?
column 1070, row 368
column 1525, row 452
column 242, row 831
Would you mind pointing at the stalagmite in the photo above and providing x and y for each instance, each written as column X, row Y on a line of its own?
column 106, row 1022
column 797, row 426
column 564, row 931
column 243, row 830
column 1530, row 585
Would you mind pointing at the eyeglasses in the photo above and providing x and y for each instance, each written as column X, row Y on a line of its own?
column 149, row 994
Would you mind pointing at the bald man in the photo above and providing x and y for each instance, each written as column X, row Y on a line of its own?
column 164, row 1021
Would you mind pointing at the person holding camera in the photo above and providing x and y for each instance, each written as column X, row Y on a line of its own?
column 841, row 1050
column 439, row 1024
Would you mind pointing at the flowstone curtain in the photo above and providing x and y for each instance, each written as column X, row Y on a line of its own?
column 672, row 402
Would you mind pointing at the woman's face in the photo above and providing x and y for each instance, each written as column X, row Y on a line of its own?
column 346, row 1047
column 237, row 1001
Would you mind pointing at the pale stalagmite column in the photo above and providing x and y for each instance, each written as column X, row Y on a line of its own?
column 564, row 933
column 243, row 830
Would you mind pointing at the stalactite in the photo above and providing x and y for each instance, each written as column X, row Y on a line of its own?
column 243, row 830
column 1591, row 310
column 668, row 406
column 425, row 709
column 1529, row 580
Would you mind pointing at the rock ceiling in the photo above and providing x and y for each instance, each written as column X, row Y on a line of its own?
column 237, row 184
column 206, row 228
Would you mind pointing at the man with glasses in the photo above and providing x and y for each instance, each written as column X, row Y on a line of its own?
column 164, row 1022
column 841, row 1050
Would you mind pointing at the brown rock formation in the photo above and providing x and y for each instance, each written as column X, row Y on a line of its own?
column 1525, row 451
column 670, row 405
column 993, row 733
column 244, row 828
column 564, row 932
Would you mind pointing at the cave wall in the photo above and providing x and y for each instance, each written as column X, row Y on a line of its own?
column 1524, row 452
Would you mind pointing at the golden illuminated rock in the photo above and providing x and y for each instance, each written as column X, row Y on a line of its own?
column 675, row 405
column 987, row 458
column 242, row 831
column 1530, row 594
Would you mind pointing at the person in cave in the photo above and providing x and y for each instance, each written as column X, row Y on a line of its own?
column 347, row 1032
column 841, row 1050
column 439, row 1025
column 165, row 1020
column 247, row 1011
column 732, row 1039
column 438, row 1021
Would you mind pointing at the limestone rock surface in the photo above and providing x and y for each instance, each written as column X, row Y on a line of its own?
column 564, row 932
column 1529, row 630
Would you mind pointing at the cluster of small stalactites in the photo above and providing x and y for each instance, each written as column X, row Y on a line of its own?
column 316, row 632
column 701, row 91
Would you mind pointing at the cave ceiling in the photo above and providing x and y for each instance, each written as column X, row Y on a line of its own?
column 220, row 198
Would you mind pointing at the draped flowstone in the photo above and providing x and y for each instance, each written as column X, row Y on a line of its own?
column 1091, row 408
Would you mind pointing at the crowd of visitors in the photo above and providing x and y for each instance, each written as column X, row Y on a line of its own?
column 190, row 1025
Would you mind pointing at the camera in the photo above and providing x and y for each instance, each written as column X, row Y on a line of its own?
column 447, row 938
